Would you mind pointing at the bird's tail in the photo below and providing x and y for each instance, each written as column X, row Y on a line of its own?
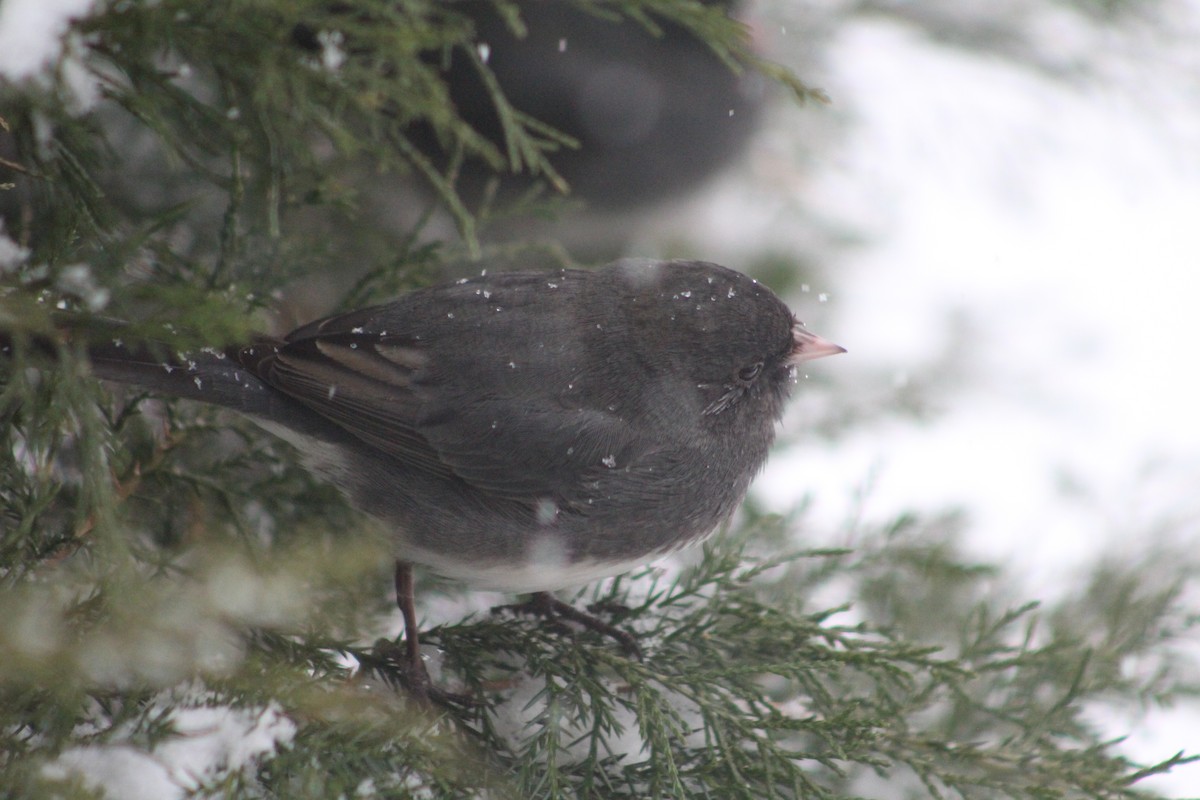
column 222, row 377
column 209, row 375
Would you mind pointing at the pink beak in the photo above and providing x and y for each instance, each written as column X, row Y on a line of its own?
column 808, row 346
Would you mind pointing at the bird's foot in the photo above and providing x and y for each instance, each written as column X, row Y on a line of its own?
column 555, row 611
column 391, row 660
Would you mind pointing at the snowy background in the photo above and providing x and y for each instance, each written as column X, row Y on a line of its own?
column 1036, row 219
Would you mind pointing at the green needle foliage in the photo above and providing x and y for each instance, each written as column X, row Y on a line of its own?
column 159, row 559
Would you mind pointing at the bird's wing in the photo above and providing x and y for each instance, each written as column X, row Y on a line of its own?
column 366, row 388
column 503, row 410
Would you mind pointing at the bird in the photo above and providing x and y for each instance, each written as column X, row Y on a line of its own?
column 522, row 431
column 655, row 114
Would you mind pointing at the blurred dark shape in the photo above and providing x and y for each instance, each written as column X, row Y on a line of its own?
column 654, row 115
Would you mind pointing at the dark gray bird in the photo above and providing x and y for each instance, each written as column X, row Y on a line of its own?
column 523, row 431
column 654, row 114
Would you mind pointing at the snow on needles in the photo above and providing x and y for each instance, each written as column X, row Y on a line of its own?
column 209, row 742
column 35, row 40
column 32, row 34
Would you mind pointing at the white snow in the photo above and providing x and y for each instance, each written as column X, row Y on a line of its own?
column 12, row 255
column 32, row 33
column 1053, row 239
column 1048, row 236
column 208, row 741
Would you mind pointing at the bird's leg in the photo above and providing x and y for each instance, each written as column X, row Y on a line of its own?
column 418, row 676
column 408, row 668
column 547, row 606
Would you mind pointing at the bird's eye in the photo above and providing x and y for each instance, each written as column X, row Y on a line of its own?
column 748, row 374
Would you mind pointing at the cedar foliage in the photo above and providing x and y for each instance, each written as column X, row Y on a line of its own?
column 160, row 556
